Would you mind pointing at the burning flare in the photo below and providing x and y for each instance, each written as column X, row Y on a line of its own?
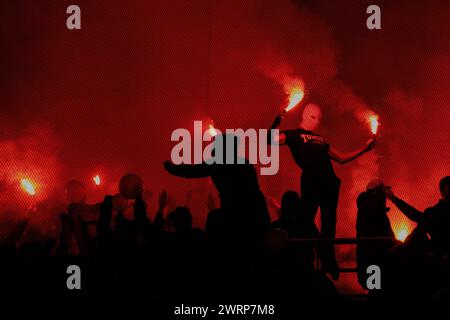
column 28, row 187
column 97, row 180
column 295, row 97
column 373, row 121
column 294, row 87
column 401, row 232
column 212, row 130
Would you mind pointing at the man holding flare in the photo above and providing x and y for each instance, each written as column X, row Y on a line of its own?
column 319, row 184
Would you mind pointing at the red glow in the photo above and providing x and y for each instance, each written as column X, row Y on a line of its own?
column 28, row 187
column 294, row 88
column 212, row 130
column 401, row 231
column 373, row 120
column 97, row 180
column 234, row 61
column 295, row 97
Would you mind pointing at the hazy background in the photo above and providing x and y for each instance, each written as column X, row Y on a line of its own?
column 105, row 99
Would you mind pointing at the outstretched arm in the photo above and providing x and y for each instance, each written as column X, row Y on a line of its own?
column 276, row 138
column 347, row 157
column 202, row 170
column 408, row 210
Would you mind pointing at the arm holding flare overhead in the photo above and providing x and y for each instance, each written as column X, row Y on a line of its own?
column 280, row 138
column 408, row 210
column 295, row 89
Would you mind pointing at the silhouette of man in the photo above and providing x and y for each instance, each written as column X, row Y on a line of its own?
column 78, row 213
column 372, row 221
column 293, row 219
column 434, row 220
column 297, row 224
column 319, row 183
column 241, row 199
column 424, row 255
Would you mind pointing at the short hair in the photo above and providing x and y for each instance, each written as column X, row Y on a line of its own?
column 445, row 181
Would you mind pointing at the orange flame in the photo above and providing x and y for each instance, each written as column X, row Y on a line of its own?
column 212, row 131
column 97, row 180
column 401, row 231
column 295, row 97
column 373, row 120
column 28, row 187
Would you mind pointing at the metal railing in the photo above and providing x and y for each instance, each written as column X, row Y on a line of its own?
column 340, row 241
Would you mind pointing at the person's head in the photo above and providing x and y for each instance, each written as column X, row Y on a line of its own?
column 311, row 116
column 181, row 219
column 444, row 188
column 375, row 185
column 376, row 188
column 291, row 204
column 131, row 186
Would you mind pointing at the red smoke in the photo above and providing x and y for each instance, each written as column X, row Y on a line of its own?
column 107, row 97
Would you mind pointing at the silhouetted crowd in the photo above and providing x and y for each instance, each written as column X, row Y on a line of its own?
column 240, row 253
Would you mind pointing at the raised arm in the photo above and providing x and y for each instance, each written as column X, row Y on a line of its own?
column 143, row 223
column 189, row 171
column 163, row 201
column 408, row 210
column 347, row 157
column 279, row 138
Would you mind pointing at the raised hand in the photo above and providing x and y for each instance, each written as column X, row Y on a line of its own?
column 371, row 143
column 163, row 200
column 389, row 193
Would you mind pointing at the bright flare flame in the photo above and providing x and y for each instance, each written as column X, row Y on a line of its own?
column 97, row 180
column 373, row 120
column 212, row 131
column 295, row 97
column 402, row 232
column 28, row 187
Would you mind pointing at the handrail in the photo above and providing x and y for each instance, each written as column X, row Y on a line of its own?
column 341, row 240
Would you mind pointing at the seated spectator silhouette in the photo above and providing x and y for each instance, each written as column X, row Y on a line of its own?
column 372, row 221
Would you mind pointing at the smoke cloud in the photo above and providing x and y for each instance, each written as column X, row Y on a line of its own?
column 105, row 99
